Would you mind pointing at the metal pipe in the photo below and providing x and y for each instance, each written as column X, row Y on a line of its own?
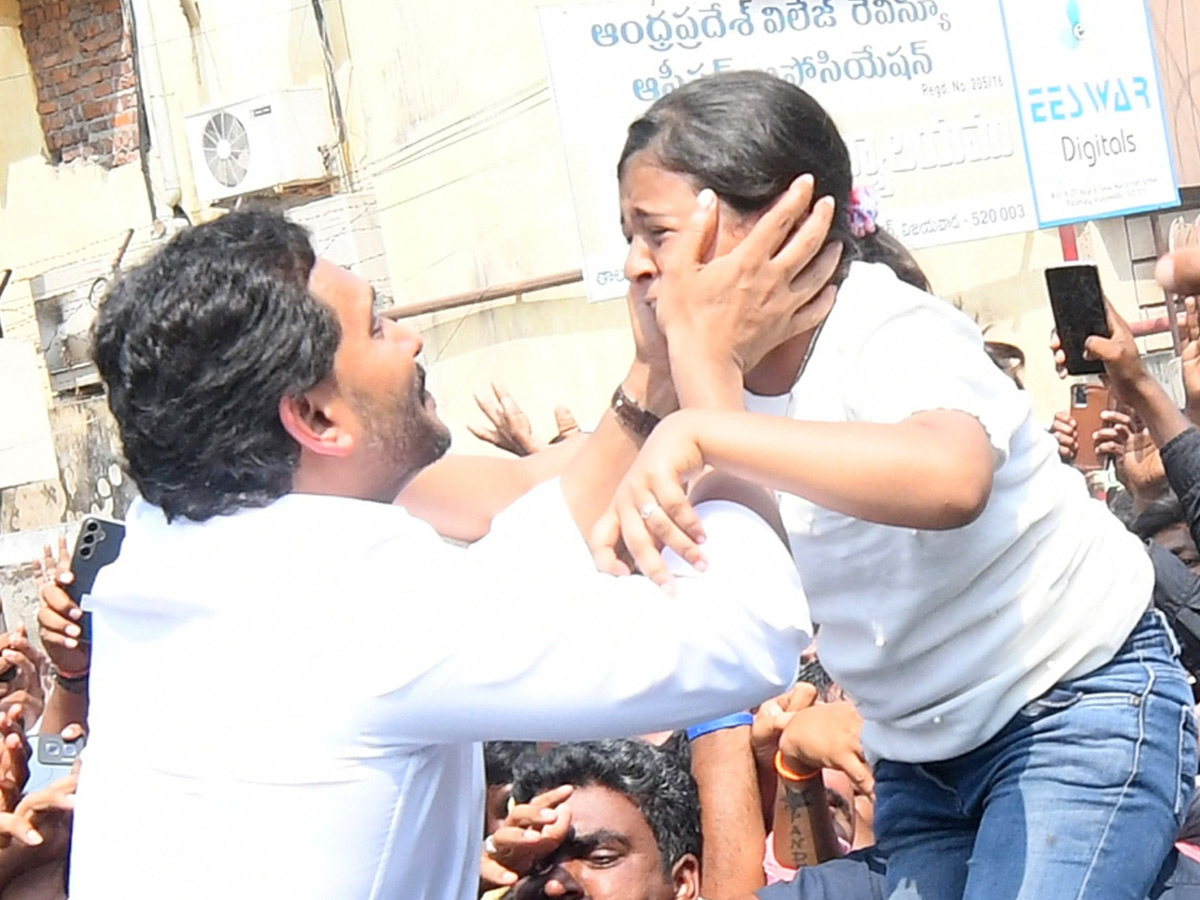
column 470, row 298
column 4, row 276
column 161, row 141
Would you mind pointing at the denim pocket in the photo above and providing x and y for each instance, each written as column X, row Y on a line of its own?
column 1054, row 700
column 1062, row 698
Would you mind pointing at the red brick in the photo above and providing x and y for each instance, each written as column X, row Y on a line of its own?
column 125, row 118
column 46, row 107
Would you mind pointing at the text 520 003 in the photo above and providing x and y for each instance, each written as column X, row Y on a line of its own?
column 1013, row 213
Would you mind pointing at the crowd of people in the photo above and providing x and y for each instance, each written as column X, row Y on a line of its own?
column 818, row 609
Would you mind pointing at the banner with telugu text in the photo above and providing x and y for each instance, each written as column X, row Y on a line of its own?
column 922, row 91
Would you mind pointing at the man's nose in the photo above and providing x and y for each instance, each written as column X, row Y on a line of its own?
column 570, row 875
column 406, row 334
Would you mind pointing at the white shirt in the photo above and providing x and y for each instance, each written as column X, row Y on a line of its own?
column 942, row 636
column 287, row 702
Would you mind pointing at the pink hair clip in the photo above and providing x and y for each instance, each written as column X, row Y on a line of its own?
column 864, row 212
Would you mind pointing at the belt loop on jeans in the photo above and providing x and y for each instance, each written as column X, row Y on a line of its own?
column 1166, row 625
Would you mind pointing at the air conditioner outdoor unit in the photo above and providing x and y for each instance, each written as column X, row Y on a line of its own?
column 257, row 144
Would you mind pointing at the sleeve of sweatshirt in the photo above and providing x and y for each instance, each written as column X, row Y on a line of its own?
column 1181, row 459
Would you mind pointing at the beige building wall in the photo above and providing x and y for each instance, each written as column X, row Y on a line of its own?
column 49, row 215
column 1178, row 35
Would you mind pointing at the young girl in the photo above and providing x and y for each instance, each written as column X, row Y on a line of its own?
column 1031, row 731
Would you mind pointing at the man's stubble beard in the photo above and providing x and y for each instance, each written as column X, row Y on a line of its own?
column 404, row 434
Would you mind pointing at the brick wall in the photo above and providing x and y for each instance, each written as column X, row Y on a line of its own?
column 82, row 60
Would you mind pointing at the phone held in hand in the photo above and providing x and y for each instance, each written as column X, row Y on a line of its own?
column 1079, row 312
column 1087, row 402
column 51, row 759
column 98, row 544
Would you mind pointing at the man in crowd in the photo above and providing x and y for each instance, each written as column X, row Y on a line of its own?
column 634, row 814
column 291, row 675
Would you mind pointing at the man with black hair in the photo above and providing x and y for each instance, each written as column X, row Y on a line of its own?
column 292, row 674
column 635, row 823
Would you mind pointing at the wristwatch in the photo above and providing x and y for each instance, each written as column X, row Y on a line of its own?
column 637, row 419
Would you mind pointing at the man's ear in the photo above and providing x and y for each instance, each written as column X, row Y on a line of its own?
column 685, row 878
column 311, row 420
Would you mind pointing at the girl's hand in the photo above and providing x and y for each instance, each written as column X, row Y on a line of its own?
column 651, row 509
column 769, row 288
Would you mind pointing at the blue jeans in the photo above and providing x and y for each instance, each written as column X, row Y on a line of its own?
column 1079, row 795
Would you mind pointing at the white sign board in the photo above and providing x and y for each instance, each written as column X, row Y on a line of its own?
column 26, row 444
column 922, row 91
column 1091, row 108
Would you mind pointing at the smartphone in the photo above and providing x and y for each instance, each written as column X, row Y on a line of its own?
column 51, row 759
column 1087, row 402
column 98, row 544
column 1079, row 312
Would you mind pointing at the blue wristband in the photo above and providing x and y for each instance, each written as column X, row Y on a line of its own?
column 735, row 720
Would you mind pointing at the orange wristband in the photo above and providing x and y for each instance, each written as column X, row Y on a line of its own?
column 787, row 774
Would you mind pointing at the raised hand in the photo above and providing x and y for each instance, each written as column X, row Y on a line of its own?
column 14, row 758
column 43, row 817
column 1189, row 358
column 530, row 833
column 772, row 286
column 1179, row 272
column 1066, row 431
column 1127, row 374
column 21, row 666
column 1139, row 465
column 511, row 429
column 59, row 616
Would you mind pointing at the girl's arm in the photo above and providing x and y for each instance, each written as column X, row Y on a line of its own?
column 931, row 471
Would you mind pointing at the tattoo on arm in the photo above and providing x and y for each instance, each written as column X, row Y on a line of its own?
column 800, row 834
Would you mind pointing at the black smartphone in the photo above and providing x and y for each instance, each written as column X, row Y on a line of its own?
column 1079, row 312
column 98, row 544
column 51, row 759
